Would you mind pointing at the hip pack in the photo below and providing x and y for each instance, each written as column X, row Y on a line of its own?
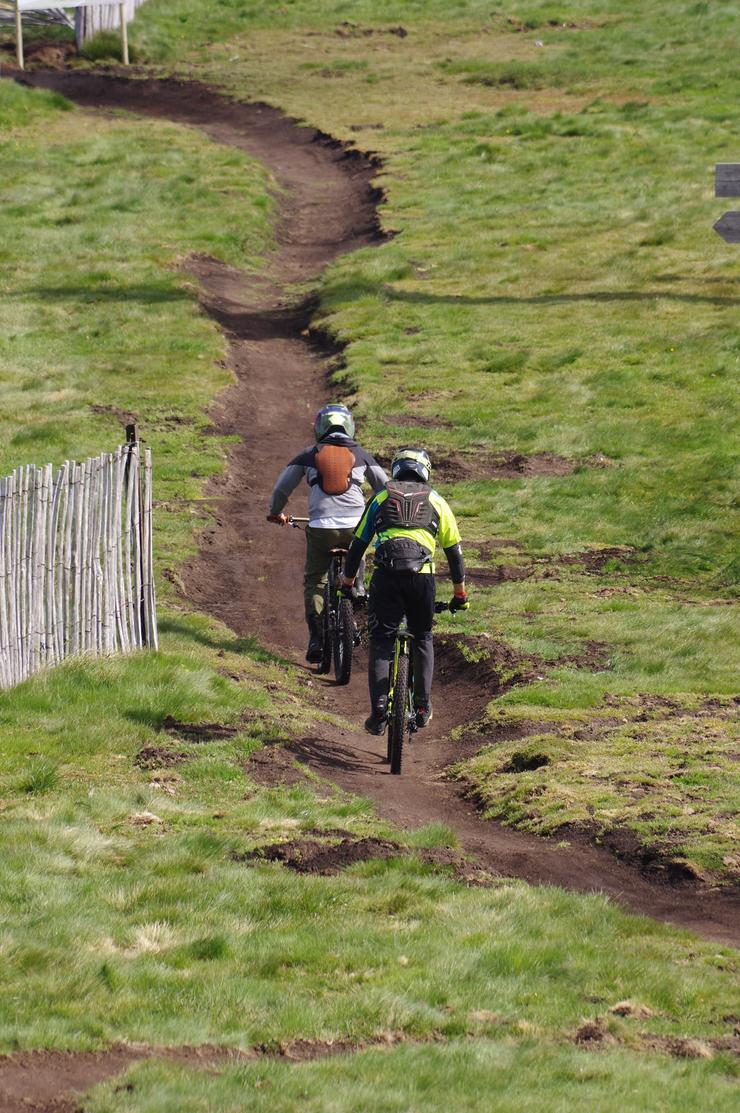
column 334, row 464
column 401, row 554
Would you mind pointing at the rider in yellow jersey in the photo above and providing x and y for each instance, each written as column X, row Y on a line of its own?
column 408, row 518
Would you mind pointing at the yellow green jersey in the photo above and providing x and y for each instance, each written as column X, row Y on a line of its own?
column 443, row 530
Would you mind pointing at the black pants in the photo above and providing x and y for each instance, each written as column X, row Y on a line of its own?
column 393, row 595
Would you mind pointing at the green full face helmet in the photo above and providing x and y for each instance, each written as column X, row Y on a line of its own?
column 334, row 418
column 412, row 460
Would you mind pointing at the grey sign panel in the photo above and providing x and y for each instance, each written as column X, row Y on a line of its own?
column 728, row 227
column 727, row 179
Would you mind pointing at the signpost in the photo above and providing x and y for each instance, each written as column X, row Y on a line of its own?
column 43, row 5
column 727, row 184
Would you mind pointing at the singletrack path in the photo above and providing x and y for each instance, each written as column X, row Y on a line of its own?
column 248, row 572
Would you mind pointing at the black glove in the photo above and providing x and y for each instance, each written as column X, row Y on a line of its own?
column 459, row 603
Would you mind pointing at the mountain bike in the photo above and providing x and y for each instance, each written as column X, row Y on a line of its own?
column 338, row 630
column 401, row 710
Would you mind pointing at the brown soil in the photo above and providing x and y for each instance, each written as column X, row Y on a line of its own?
column 271, row 766
column 311, row 856
column 501, row 574
column 46, row 1081
column 328, row 206
column 159, row 757
column 199, row 732
column 458, row 467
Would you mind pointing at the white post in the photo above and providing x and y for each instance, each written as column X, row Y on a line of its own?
column 124, row 34
column 19, row 35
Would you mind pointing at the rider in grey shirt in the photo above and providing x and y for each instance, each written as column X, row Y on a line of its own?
column 332, row 518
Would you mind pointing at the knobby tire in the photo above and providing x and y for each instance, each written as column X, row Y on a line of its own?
column 344, row 638
column 399, row 714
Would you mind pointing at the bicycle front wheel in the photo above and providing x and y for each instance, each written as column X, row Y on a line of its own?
column 398, row 721
column 344, row 638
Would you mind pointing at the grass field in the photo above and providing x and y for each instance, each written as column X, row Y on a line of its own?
column 554, row 287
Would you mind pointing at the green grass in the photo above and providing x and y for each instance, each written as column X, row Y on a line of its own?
column 499, row 1077
column 555, row 287
column 96, row 321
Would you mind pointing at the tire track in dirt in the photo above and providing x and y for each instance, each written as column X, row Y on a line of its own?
column 248, row 573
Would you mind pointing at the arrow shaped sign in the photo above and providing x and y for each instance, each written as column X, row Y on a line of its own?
column 727, row 179
column 728, row 227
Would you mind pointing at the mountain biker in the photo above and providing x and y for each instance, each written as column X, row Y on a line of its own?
column 334, row 468
column 408, row 518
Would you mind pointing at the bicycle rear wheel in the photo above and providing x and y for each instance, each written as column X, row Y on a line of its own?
column 399, row 714
column 344, row 637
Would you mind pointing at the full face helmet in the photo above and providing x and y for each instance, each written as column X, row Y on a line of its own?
column 334, row 418
column 412, row 460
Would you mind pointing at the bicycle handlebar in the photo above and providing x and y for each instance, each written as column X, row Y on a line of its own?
column 296, row 523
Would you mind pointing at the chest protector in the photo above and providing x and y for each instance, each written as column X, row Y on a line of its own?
column 408, row 506
column 334, row 464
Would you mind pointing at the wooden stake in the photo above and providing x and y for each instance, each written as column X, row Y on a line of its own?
column 124, row 34
column 19, row 36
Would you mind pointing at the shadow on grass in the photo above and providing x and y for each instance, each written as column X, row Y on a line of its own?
column 353, row 289
column 147, row 294
column 248, row 646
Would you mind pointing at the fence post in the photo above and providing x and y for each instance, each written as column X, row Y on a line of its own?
column 19, row 36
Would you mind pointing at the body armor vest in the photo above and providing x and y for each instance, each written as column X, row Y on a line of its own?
column 334, row 464
column 408, row 506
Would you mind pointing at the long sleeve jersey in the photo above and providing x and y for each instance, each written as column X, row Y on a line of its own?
column 329, row 511
column 448, row 536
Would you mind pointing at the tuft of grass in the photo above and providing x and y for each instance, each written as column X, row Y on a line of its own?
column 40, row 777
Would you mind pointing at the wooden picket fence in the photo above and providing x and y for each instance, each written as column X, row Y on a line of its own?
column 76, row 572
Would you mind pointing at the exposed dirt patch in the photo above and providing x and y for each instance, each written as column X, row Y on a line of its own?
column 653, row 862
column 684, row 1047
column 417, row 421
column 595, row 1034
column 501, row 574
column 160, row 757
column 272, row 766
column 458, row 467
column 44, row 1081
column 594, row 658
column 349, row 30
column 310, row 856
column 199, row 732
column 126, row 417
column 483, row 666
column 594, row 561
column 489, row 550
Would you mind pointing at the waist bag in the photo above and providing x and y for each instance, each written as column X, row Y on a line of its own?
column 334, row 464
column 401, row 554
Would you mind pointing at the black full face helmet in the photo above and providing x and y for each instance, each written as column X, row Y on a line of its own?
column 414, row 460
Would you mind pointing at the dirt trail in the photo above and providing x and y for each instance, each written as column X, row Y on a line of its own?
column 248, row 572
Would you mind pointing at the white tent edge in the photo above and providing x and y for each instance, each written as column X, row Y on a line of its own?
column 42, row 5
